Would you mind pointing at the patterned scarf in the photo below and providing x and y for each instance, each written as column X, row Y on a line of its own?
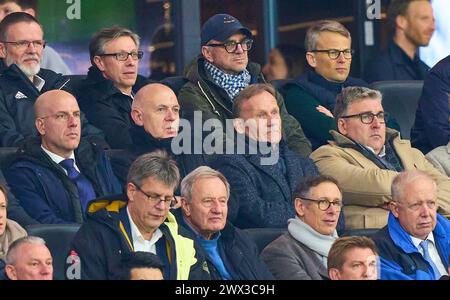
column 232, row 84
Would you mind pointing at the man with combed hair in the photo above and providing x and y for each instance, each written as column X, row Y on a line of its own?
column 231, row 254
column 412, row 26
column 353, row 258
column 137, row 221
column 223, row 70
column 28, row 258
column 107, row 93
column 366, row 156
column 142, row 265
column 50, row 58
column 23, row 81
column 56, row 175
column 415, row 244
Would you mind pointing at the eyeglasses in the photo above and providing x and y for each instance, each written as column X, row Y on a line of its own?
column 324, row 204
column 40, row 44
column 156, row 199
column 123, row 56
column 335, row 53
column 367, row 117
column 231, row 46
column 63, row 116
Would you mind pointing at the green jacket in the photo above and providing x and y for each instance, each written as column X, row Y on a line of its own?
column 202, row 94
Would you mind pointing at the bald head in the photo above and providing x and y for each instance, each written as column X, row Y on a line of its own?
column 58, row 122
column 156, row 108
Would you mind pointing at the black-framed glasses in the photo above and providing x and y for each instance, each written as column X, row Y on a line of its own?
column 231, row 46
column 25, row 44
column 155, row 198
column 367, row 117
column 123, row 56
column 324, row 204
column 335, row 53
column 63, row 116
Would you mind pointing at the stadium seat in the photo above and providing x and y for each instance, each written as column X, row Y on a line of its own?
column 264, row 236
column 6, row 155
column 360, row 232
column 400, row 100
column 175, row 83
column 58, row 238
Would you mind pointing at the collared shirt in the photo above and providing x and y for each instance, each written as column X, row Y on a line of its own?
column 38, row 82
column 382, row 152
column 433, row 252
column 57, row 159
column 141, row 244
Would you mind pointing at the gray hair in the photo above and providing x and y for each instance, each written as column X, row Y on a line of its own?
column 13, row 249
column 106, row 35
column 201, row 172
column 353, row 94
column 405, row 178
column 156, row 164
column 312, row 35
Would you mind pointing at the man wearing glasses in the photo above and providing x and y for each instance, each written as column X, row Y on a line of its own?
column 302, row 252
column 107, row 93
column 21, row 45
column 55, row 176
column 366, row 156
column 310, row 98
column 222, row 71
column 137, row 221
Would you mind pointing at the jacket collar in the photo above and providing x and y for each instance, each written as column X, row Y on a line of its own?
column 400, row 57
column 343, row 141
column 144, row 142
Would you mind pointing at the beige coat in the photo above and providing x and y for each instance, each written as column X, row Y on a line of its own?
column 365, row 186
column 440, row 158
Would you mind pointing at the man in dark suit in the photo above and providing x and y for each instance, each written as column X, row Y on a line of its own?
column 263, row 178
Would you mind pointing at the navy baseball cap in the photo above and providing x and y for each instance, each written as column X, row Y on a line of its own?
column 220, row 27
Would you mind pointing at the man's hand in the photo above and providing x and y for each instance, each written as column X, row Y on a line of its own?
column 325, row 111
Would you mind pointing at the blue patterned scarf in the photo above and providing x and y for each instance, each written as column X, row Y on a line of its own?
column 232, row 84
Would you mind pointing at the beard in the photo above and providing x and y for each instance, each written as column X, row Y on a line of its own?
column 29, row 71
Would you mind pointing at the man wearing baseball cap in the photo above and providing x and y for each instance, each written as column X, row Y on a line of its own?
column 222, row 71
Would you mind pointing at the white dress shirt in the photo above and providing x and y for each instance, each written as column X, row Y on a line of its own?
column 139, row 243
column 433, row 252
column 57, row 159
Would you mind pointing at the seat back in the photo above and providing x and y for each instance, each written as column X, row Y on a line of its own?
column 175, row 83
column 264, row 236
column 400, row 100
column 58, row 238
column 360, row 232
column 6, row 156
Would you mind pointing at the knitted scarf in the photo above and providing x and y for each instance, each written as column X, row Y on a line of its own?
column 315, row 241
column 232, row 84
column 13, row 231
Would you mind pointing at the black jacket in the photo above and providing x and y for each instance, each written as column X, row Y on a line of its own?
column 145, row 143
column 107, row 107
column 46, row 192
column 17, row 97
column 106, row 236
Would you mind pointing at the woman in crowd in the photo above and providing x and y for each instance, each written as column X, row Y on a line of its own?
column 285, row 62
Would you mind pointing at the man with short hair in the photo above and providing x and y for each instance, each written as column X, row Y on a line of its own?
column 366, row 156
column 223, row 70
column 21, row 83
column 412, row 25
column 156, row 115
column 142, row 265
column 51, row 60
column 28, row 258
column 56, row 175
column 311, row 97
column 302, row 252
column 353, row 258
column 138, row 221
column 415, row 244
column 106, row 95
column 264, row 175
column 231, row 254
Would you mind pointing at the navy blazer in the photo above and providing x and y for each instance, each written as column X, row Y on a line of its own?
column 261, row 195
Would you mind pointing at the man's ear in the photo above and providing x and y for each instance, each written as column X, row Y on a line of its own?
column 99, row 63
column 11, row 272
column 311, row 59
column 334, row 274
column 130, row 192
column 186, row 208
column 342, row 126
column 3, row 52
column 30, row 11
column 239, row 126
column 401, row 22
column 206, row 52
column 136, row 115
column 299, row 207
column 40, row 126
column 394, row 208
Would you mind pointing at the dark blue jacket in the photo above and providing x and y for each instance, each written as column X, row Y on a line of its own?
column 395, row 64
column 432, row 125
column 400, row 259
column 239, row 253
column 261, row 195
column 17, row 97
column 107, row 107
column 46, row 192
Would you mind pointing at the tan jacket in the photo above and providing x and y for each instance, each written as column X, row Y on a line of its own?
column 365, row 186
